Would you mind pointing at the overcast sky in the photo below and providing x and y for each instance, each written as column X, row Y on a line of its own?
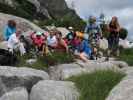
column 123, row 9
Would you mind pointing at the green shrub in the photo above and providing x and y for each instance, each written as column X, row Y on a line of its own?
column 43, row 62
column 127, row 56
column 65, row 21
column 58, row 58
column 123, row 33
column 97, row 85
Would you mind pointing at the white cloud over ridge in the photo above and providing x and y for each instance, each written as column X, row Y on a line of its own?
column 123, row 9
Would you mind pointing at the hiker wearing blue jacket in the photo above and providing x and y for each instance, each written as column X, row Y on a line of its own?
column 9, row 29
column 85, row 50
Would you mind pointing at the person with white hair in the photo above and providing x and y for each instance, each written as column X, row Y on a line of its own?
column 14, row 43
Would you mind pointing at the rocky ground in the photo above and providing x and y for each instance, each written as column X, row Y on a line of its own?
column 30, row 84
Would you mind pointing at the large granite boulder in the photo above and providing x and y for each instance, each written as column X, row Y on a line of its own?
column 64, row 71
column 12, row 77
column 123, row 91
column 63, row 30
column 37, row 9
column 18, row 93
column 22, row 23
column 54, row 90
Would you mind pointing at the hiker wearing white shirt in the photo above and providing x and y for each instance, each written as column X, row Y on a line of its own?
column 51, row 40
column 14, row 43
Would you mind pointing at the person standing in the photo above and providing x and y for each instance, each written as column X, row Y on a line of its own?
column 113, row 39
column 94, row 33
column 9, row 29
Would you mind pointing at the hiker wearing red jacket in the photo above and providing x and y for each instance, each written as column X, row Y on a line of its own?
column 38, row 40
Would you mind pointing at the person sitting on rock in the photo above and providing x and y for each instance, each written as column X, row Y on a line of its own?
column 76, row 41
column 9, row 29
column 14, row 43
column 85, row 52
column 70, row 36
column 61, row 44
column 39, row 40
column 52, row 40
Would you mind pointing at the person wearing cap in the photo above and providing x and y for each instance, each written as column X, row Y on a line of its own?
column 14, row 43
column 94, row 32
column 70, row 36
column 38, row 40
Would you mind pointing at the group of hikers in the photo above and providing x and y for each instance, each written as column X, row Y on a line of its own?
column 84, row 45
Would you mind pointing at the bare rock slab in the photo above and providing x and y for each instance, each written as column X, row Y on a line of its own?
column 54, row 90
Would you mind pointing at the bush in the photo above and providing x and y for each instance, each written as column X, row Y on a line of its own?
column 123, row 33
column 43, row 62
column 97, row 85
column 127, row 56
column 65, row 21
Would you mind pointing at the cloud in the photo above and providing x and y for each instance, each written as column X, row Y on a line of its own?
column 121, row 8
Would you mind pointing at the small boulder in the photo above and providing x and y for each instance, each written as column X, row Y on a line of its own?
column 64, row 71
column 12, row 77
column 18, row 93
column 54, row 90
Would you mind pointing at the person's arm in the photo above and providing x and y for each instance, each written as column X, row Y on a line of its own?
column 65, row 45
column 86, row 29
column 100, row 31
column 15, row 39
column 118, row 28
column 32, row 36
column 5, row 33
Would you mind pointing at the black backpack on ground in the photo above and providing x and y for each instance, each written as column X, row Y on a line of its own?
column 7, row 58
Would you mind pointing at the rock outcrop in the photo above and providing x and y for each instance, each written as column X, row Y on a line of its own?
column 64, row 71
column 44, row 9
column 54, row 90
column 12, row 77
column 123, row 91
column 22, row 23
column 18, row 93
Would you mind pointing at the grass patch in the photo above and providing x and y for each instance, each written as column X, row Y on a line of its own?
column 97, row 85
column 127, row 56
column 43, row 62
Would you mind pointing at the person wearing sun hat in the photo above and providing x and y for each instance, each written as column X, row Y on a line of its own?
column 84, row 48
column 81, row 47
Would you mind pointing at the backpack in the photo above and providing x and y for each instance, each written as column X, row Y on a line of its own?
column 9, row 58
